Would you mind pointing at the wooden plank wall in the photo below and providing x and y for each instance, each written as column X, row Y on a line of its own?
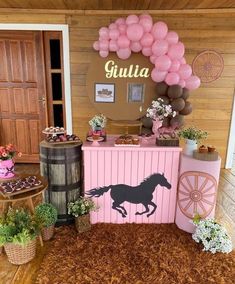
column 212, row 102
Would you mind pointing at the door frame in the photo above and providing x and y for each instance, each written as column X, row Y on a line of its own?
column 231, row 140
column 66, row 59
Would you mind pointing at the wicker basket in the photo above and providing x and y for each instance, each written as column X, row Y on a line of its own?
column 18, row 254
column 48, row 232
column 82, row 223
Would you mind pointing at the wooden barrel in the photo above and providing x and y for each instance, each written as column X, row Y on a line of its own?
column 61, row 165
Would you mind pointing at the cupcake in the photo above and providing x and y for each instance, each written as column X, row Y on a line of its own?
column 211, row 149
column 202, row 149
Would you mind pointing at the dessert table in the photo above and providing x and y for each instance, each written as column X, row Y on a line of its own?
column 131, row 183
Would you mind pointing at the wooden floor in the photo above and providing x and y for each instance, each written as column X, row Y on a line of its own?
column 25, row 274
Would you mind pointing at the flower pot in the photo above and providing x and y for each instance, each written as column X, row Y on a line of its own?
column 190, row 146
column 19, row 254
column 82, row 223
column 7, row 169
column 48, row 232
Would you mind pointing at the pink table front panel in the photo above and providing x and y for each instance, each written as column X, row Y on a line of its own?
column 109, row 165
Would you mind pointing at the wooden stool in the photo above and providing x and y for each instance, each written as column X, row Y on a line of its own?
column 127, row 124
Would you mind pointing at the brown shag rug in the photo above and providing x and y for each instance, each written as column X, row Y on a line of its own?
column 133, row 254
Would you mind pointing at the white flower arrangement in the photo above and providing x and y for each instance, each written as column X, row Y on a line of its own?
column 212, row 235
column 98, row 121
column 81, row 206
column 159, row 110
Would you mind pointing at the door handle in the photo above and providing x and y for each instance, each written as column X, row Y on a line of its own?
column 43, row 101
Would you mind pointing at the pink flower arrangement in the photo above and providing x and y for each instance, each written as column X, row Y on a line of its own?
column 8, row 151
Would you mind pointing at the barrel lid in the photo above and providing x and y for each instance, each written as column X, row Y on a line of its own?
column 57, row 145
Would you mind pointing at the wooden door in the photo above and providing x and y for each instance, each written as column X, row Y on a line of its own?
column 22, row 91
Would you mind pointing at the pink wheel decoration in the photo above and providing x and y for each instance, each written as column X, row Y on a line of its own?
column 196, row 194
column 208, row 66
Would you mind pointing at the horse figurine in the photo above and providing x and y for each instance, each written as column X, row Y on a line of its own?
column 170, row 130
column 140, row 194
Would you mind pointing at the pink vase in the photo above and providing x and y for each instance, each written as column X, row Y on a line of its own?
column 156, row 125
column 7, row 169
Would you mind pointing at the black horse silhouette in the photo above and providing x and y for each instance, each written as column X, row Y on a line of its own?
column 143, row 193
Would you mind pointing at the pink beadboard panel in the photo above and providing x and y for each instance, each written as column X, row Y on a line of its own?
column 107, row 165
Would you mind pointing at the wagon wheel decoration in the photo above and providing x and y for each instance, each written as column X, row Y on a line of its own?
column 196, row 194
column 208, row 66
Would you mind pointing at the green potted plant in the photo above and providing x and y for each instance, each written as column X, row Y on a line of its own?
column 192, row 136
column 80, row 209
column 46, row 215
column 18, row 232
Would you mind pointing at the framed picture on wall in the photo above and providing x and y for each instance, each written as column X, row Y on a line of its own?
column 104, row 93
column 135, row 93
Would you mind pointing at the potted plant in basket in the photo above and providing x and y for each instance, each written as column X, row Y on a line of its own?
column 80, row 209
column 7, row 153
column 46, row 216
column 192, row 137
column 18, row 232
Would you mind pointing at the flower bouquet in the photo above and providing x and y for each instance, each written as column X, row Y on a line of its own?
column 7, row 153
column 97, row 123
column 159, row 110
column 212, row 235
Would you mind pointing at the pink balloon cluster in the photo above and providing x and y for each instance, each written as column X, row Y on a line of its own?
column 139, row 33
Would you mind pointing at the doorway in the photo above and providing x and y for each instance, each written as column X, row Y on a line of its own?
column 23, row 86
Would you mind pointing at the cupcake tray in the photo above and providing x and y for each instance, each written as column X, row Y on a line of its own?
column 19, row 186
column 63, row 142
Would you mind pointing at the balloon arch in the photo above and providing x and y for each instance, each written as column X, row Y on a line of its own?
column 166, row 52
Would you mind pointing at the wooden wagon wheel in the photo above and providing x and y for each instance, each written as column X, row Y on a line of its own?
column 196, row 194
column 208, row 66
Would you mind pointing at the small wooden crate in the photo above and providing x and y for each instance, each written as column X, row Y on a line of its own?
column 170, row 142
column 209, row 156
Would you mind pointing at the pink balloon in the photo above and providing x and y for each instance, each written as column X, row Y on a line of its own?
column 192, row 83
column 122, row 29
column 146, row 40
column 145, row 16
column 147, row 24
column 104, row 44
column 123, row 41
column 182, row 60
column 163, row 63
column 104, row 33
column 147, row 51
column 135, row 46
column 160, row 47
column 103, row 53
column 172, row 37
column 120, row 21
column 96, row 45
column 114, row 34
column 153, row 59
column 132, row 19
column 135, row 32
column 112, row 26
column 124, row 53
column 176, row 51
column 175, row 64
column 158, row 76
column 113, row 45
column 172, row 79
column 182, row 83
column 159, row 30
column 185, row 71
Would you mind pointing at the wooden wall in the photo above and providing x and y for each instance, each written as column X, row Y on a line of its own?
column 212, row 102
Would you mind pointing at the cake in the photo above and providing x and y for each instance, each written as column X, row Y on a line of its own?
column 211, row 148
column 127, row 140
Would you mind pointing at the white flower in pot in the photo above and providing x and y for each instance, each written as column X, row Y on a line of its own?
column 192, row 137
